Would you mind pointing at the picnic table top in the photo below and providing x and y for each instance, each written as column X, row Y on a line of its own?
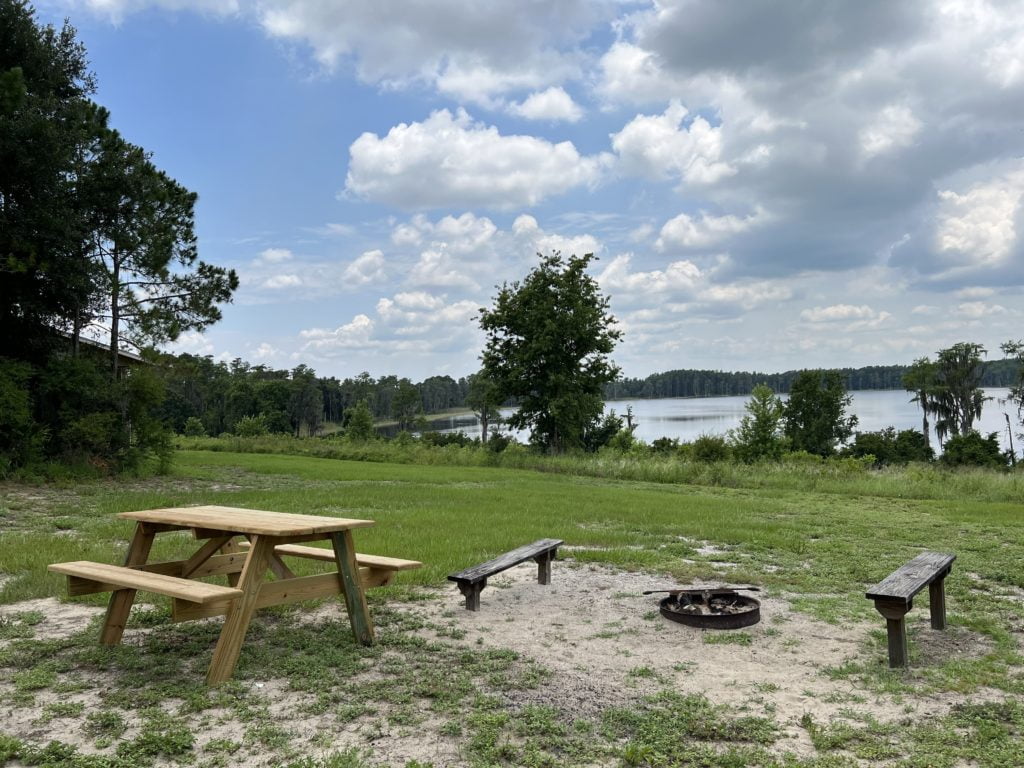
column 247, row 521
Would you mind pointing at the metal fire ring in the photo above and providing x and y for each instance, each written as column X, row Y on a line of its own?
column 673, row 605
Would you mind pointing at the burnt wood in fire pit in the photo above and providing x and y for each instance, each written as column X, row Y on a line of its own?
column 711, row 608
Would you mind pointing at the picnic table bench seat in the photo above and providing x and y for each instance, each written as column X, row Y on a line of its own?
column 894, row 597
column 472, row 581
column 101, row 577
column 376, row 570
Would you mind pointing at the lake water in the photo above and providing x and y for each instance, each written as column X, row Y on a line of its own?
column 687, row 418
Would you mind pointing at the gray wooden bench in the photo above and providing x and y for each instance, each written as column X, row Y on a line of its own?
column 472, row 580
column 894, row 597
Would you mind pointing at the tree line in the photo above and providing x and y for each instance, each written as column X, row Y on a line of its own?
column 212, row 398
column 707, row 383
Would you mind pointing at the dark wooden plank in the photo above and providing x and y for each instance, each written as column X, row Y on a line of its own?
column 507, row 560
column 907, row 581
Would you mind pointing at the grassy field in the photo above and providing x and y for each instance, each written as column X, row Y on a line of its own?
column 816, row 545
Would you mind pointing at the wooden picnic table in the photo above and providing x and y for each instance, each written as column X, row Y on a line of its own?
column 246, row 570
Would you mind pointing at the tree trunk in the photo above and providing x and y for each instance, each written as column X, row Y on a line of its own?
column 115, row 310
column 483, row 426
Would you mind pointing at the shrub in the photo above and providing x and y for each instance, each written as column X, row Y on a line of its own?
column 460, row 439
column 665, row 445
column 601, row 432
column 498, row 442
column 194, row 427
column 710, row 448
column 622, row 441
column 18, row 436
column 973, row 450
column 359, row 423
column 889, row 447
column 251, row 426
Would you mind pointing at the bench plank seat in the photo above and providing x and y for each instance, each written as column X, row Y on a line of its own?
column 907, row 581
column 471, row 581
column 117, row 577
column 327, row 556
column 894, row 597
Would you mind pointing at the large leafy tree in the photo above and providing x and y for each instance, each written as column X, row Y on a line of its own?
column 957, row 395
column 548, row 341
column 815, row 414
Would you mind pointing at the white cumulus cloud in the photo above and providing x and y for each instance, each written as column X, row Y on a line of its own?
column 452, row 160
column 552, row 104
column 661, row 147
column 704, row 230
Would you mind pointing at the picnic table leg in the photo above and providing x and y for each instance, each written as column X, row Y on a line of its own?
column 121, row 600
column 225, row 655
column 352, row 586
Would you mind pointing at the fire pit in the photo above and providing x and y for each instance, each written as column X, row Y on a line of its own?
column 710, row 608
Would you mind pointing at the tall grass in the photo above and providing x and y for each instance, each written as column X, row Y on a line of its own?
column 843, row 476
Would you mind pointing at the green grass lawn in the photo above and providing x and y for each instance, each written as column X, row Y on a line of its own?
column 819, row 548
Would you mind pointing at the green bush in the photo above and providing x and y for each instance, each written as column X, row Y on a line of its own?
column 20, row 441
column 460, row 439
column 359, row 423
column 251, row 426
column 973, row 450
column 710, row 448
column 194, row 427
column 889, row 447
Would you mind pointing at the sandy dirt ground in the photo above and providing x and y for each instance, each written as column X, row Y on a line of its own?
column 605, row 645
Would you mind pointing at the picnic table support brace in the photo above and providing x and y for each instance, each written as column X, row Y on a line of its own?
column 230, row 547
column 352, row 587
column 896, row 629
column 120, row 604
column 225, row 655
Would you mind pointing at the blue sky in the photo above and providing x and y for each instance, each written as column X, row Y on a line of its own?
column 767, row 186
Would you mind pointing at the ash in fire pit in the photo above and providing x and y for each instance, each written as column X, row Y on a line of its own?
column 711, row 608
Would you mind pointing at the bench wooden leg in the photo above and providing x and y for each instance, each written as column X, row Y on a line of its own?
column 937, row 602
column 472, row 593
column 544, row 567
column 896, row 627
column 225, row 655
column 352, row 587
column 120, row 604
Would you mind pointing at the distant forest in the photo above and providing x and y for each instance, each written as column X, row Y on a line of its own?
column 220, row 395
column 694, row 383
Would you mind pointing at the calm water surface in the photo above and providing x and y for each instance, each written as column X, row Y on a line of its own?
column 689, row 418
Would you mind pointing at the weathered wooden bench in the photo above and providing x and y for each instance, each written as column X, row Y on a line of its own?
column 894, row 597
column 87, row 577
column 375, row 570
column 472, row 581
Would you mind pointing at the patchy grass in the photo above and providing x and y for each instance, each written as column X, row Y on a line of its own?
column 817, row 543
